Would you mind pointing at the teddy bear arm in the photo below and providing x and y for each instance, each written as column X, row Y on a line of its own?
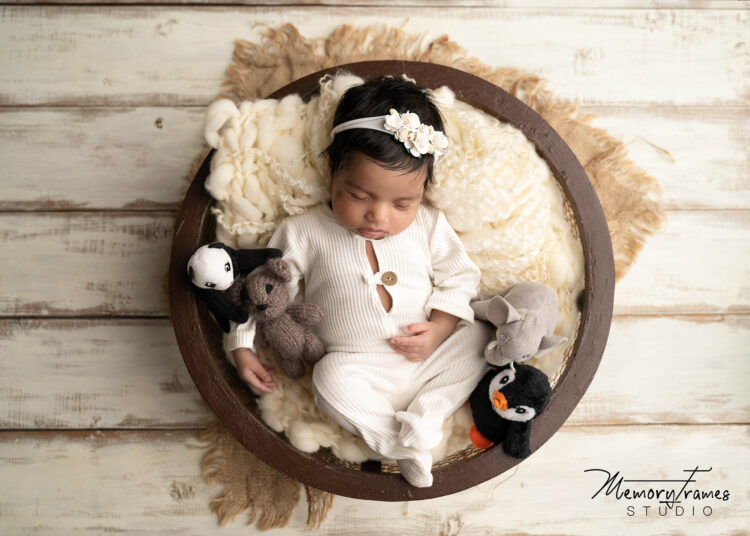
column 306, row 314
column 260, row 340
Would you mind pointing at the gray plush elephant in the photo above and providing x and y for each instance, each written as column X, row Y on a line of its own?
column 525, row 316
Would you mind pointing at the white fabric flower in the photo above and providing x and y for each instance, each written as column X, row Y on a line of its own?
column 393, row 121
column 403, row 134
column 440, row 141
column 419, row 139
column 411, row 121
column 410, row 147
column 422, row 142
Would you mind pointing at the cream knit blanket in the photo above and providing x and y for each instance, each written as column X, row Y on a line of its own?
column 496, row 192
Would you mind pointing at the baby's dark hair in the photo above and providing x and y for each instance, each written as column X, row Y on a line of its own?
column 373, row 98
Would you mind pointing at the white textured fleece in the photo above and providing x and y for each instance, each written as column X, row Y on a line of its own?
column 432, row 268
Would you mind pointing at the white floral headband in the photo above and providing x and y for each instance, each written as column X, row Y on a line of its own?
column 418, row 138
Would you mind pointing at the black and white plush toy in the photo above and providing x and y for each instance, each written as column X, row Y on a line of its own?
column 213, row 268
column 504, row 404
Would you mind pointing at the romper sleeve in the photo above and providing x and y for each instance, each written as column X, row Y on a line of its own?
column 288, row 239
column 284, row 238
column 240, row 336
column 455, row 276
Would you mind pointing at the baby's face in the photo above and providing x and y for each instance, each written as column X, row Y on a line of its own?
column 373, row 201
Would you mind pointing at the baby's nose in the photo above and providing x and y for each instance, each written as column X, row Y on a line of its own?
column 378, row 213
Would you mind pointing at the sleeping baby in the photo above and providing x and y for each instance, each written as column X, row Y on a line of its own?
column 394, row 280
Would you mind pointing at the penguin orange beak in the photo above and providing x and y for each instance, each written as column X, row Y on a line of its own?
column 499, row 401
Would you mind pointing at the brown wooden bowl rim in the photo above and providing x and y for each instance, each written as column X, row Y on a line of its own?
column 229, row 398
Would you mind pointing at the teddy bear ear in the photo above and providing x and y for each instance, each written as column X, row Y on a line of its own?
column 500, row 311
column 280, row 269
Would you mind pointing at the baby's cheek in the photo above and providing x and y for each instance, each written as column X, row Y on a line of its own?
column 346, row 212
column 404, row 219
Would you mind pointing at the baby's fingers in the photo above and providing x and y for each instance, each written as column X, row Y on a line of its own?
column 418, row 327
column 411, row 356
column 413, row 341
column 259, row 377
column 406, row 342
column 410, row 352
column 263, row 372
column 262, row 385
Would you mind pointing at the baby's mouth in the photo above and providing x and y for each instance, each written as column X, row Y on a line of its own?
column 371, row 233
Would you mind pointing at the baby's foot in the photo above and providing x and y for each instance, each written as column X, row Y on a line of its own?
column 417, row 470
column 419, row 433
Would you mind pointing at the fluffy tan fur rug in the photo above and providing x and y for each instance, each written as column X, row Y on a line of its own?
column 628, row 196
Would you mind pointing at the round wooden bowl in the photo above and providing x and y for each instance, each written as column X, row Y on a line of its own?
column 200, row 339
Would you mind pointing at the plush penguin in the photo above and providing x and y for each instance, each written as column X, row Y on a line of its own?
column 213, row 268
column 504, row 404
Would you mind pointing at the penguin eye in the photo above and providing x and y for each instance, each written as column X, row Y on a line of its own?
column 210, row 285
column 269, row 288
column 501, row 381
column 227, row 267
column 521, row 414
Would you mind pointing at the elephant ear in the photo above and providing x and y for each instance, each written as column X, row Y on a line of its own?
column 500, row 311
column 480, row 309
column 549, row 342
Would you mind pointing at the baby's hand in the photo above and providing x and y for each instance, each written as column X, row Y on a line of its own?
column 253, row 371
column 425, row 337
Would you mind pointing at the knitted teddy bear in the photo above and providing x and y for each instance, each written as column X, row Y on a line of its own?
column 525, row 315
column 283, row 327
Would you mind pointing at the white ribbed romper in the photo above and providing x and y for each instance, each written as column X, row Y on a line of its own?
column 396, row 405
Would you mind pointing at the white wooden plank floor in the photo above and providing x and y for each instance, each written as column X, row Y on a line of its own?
column 101, row 111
